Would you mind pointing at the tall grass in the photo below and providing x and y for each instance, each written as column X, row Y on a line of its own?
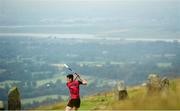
column 137, row 100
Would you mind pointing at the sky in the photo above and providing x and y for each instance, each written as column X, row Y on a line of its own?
column 102, row 18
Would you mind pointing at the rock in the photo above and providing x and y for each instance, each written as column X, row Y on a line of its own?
column 122, row 95
column 2, row 105
column 165, row 83
column 165, row 86
column 121, row 91
column 153, row 84
column 156, row 85
column 14, row 101
column 121, row 86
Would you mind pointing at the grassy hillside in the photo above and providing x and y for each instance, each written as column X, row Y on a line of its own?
column 137, row 99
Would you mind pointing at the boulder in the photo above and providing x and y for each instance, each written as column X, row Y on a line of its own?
column 155, row 84
column 165, row 86
column 121, row 91
column 14, row 101
column 1, row 105
column 165, row 83
column 121, row 86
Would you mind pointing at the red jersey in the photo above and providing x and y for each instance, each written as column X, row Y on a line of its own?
column 74, row 89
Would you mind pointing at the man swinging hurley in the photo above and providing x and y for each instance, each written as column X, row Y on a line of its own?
column 73, row 85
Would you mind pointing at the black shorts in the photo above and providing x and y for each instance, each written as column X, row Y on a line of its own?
column 74, row 103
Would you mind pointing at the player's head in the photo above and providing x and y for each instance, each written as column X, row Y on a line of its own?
column 69, row 77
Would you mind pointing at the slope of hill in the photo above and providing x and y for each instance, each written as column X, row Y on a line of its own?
column 137, row 99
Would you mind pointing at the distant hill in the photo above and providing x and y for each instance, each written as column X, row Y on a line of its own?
column 137, row 100
column 34, row 65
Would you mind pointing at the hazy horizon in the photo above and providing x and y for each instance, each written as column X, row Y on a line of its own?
column 99, row 18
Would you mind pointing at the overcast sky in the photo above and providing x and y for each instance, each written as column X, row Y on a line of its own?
column 87, row 8
column 118, row 15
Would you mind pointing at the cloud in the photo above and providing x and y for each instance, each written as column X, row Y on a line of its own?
column 112, row 32
column 43, row 26
column 117, row 31
column 57, row 35
column 75, row 20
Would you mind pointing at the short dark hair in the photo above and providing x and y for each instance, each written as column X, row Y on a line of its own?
column 70, row 76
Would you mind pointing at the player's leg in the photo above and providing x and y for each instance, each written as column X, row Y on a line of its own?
column 77, row 103
column 68, row 108
column 69, row 105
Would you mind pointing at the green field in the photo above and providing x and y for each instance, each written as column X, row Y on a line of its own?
column 42, row 98
column 9, row 83
column 164, row 65
column 137, row 99
column 38, row 99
